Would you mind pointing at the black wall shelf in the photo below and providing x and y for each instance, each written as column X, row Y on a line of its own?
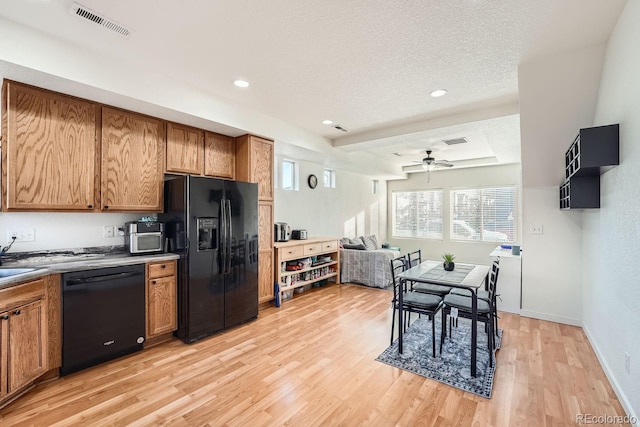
column 594, row 151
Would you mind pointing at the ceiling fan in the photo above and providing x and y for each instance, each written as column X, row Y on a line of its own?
column 429, row 163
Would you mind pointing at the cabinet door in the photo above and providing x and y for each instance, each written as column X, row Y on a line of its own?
column 27, row 338
column 265, row 275
column 254, row 163
column 132, row 162
column 49, row 156
column 219, row 155
column 184, row 149
column 161, row 305
column 262, row 167
column 4, row 344
column 265, row 251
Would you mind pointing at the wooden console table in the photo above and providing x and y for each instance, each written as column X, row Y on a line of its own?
column 300, row 263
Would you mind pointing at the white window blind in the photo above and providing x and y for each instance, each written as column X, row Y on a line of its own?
column 417, row 214
column 483, row 214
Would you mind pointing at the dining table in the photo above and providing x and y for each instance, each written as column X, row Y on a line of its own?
column 466, row 276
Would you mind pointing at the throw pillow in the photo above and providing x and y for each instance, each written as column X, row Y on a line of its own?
column 370, row 242
column 350, row 246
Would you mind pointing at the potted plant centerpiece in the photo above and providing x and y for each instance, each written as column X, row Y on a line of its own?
column 448, row 263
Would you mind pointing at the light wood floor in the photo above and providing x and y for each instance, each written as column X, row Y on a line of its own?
column 312, row 362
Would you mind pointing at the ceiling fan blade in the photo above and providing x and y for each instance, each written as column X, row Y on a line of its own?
column 443, row 163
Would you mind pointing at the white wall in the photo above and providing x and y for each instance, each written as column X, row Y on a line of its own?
column 557, row 97
column 611, row 252
column 324, row 211
column 474, row 252
column 62, row 230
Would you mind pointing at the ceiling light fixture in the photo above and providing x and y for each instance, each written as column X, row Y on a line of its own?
column 327, row 122
column 438, row 93
column 241, row 83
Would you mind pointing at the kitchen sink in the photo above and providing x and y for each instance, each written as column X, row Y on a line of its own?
column 8, row 272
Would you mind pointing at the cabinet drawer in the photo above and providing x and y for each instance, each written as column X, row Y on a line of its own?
column 161, row 269
column 291, row 252
column 312, row 248
column 330, row 246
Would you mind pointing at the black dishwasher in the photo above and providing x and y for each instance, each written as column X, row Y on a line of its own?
column 103, row 315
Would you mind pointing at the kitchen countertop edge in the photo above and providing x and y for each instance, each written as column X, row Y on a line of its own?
column 42, row 268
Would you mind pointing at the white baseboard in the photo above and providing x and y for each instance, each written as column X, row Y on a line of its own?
column 550, row 317
column 612, row 379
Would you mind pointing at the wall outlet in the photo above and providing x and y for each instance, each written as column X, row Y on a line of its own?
column 108, row 231
column 536, row 229
column 627, row 363
column 23, row 235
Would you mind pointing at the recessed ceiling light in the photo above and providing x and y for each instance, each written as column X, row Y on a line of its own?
column 438, row 92
column 241, row 83
column 327, row 122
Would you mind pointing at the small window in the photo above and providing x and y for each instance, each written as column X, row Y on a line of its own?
column 289, row 175
column 329, row 178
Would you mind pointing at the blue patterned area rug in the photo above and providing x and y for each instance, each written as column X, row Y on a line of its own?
column 453, row 366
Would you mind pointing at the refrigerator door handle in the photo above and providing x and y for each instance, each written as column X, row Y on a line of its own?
column 223, row 238
column 230, row 233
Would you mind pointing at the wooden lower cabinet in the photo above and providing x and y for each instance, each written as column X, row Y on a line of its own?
column 23, row 337
column 161, row 301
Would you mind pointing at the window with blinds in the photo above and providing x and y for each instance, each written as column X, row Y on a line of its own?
column 417, row 214
column 484, row 214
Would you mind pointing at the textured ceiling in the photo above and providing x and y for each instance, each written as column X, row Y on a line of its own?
column 369, row 65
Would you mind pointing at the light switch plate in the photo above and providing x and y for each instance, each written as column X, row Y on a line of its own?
column 536, row 229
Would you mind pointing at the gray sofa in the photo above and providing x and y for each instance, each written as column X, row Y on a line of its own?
column 370, row 268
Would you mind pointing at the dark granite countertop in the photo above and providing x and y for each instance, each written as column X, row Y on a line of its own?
column 64, row 261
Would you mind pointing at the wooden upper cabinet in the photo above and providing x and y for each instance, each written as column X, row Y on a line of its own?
column 49, row 150
column 132, row 161
column 254, row 163
column 185, row 148
column 219, row 155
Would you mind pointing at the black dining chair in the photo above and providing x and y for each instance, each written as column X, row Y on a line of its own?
column 413, row 302
column 485, row 311
column 484, row 294
column 415, row 258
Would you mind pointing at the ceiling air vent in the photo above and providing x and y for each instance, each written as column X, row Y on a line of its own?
column 455, row 141
column 340, row 128
column 96, row 18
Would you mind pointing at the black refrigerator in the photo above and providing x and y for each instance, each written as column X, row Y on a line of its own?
column 213, row 225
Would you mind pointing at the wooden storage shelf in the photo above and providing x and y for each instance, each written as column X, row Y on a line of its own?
column 306, row 282
column 299, row 250
column 303, row 270
column 593, row 151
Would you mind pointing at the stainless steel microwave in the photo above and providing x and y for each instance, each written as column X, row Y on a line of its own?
column 144, row 237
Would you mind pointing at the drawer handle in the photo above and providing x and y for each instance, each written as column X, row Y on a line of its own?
column 163, row 266
column 153, row 282
column 16, row 312
column 5, row 317
column 291, row 252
